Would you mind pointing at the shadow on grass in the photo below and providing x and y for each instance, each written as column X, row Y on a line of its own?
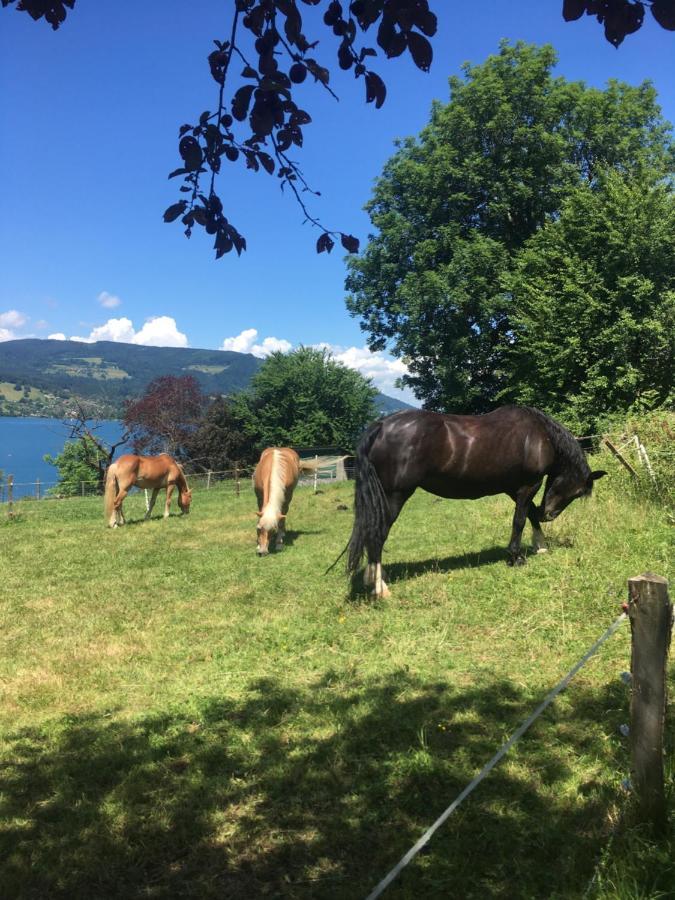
column 311, row 793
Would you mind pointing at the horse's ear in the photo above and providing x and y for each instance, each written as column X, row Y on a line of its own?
column 598, row 474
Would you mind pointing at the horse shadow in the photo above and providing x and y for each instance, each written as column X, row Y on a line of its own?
column 290, row 537
column 401, row 571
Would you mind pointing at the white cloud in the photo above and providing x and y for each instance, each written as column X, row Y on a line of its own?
column 380, row 368
column 57, row 336
column 12, row 319
column 120, row 330
column 158, row 331
column 109, row 301
column 42, row 323
column 245, row 343
column 6, row 334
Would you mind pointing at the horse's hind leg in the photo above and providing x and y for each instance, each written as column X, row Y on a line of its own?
column 538, row 539
column 117, row 509
column 374, row 574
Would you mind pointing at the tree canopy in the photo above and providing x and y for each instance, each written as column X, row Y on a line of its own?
column 454, row 209
column 305, row 398
column 165, row 417
column 594, row 299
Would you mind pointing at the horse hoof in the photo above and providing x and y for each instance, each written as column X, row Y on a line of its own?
column 516, row 561
column 542, row 550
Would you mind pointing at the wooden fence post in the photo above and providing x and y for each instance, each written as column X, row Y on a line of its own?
column 208, row 480
column 651, row 620
column 10, row 495
column 37, row 489
column 82, row 488
column 316, row 472
column 236, row 480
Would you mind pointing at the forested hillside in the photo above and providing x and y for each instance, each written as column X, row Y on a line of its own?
column 39, row 377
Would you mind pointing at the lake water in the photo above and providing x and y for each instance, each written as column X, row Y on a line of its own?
column 25, row 440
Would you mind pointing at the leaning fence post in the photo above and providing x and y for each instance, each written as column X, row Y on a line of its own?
column 651, row 620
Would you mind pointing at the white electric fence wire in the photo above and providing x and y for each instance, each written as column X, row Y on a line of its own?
column 412, row 853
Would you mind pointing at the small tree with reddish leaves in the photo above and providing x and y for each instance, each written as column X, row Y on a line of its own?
column 165, row 417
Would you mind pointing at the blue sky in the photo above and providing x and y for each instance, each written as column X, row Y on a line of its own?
column 89, row 117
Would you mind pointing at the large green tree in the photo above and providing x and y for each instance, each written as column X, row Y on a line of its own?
column 454, row 208
column 594, row 299
column 305, row 398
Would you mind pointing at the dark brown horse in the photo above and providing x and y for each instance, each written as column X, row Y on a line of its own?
column 149, row 472
column 508, row 451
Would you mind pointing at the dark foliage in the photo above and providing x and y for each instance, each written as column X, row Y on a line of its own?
column 258, row 122
column 165, row 417
column 219, row 443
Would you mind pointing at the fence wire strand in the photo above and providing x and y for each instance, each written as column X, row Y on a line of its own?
column 504, row 749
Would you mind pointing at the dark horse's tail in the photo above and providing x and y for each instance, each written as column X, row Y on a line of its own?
column 371, row 508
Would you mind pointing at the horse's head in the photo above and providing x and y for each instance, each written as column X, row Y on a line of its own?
column 561, row 489
column 267, row 533
column 184, row 501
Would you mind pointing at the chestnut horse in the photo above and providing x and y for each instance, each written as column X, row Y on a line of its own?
column 508, row 451
column 150, row 472
column 274, row 481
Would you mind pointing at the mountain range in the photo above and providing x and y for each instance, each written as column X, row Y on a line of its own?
column 40, row 377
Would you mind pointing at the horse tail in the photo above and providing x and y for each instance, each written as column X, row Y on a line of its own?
column 110, row 491
column 371, row 508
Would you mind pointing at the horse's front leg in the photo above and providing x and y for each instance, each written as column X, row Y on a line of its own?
column 150, row 502
column 523, row 499
column 169, row 492
column 281, row 533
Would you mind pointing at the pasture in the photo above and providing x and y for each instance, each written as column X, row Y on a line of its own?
column 181, row 718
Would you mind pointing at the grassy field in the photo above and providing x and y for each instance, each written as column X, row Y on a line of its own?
column 182, row 719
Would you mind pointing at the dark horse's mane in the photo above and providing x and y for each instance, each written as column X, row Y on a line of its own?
column 569, row 454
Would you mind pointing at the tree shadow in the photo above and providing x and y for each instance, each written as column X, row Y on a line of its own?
column 310, row 793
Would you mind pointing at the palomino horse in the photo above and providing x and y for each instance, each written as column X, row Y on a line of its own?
column 507, row 451
column 150, row 472
column 274, row 480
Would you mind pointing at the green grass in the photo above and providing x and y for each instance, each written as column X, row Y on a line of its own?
column 181, row 718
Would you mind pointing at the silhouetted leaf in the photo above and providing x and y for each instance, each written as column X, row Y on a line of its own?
column 267, row 162
column 297, row 73
column 420, row 50
column 175, row 210
column 325, row 242
column 375, row 89
column 350, row 243
column 664, row 13
column 177, row 172
column 240, row 102
column 573, row 9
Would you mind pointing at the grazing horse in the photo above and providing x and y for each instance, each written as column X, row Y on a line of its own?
column 274, row 480
column 507, row 451
column 150, row 472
